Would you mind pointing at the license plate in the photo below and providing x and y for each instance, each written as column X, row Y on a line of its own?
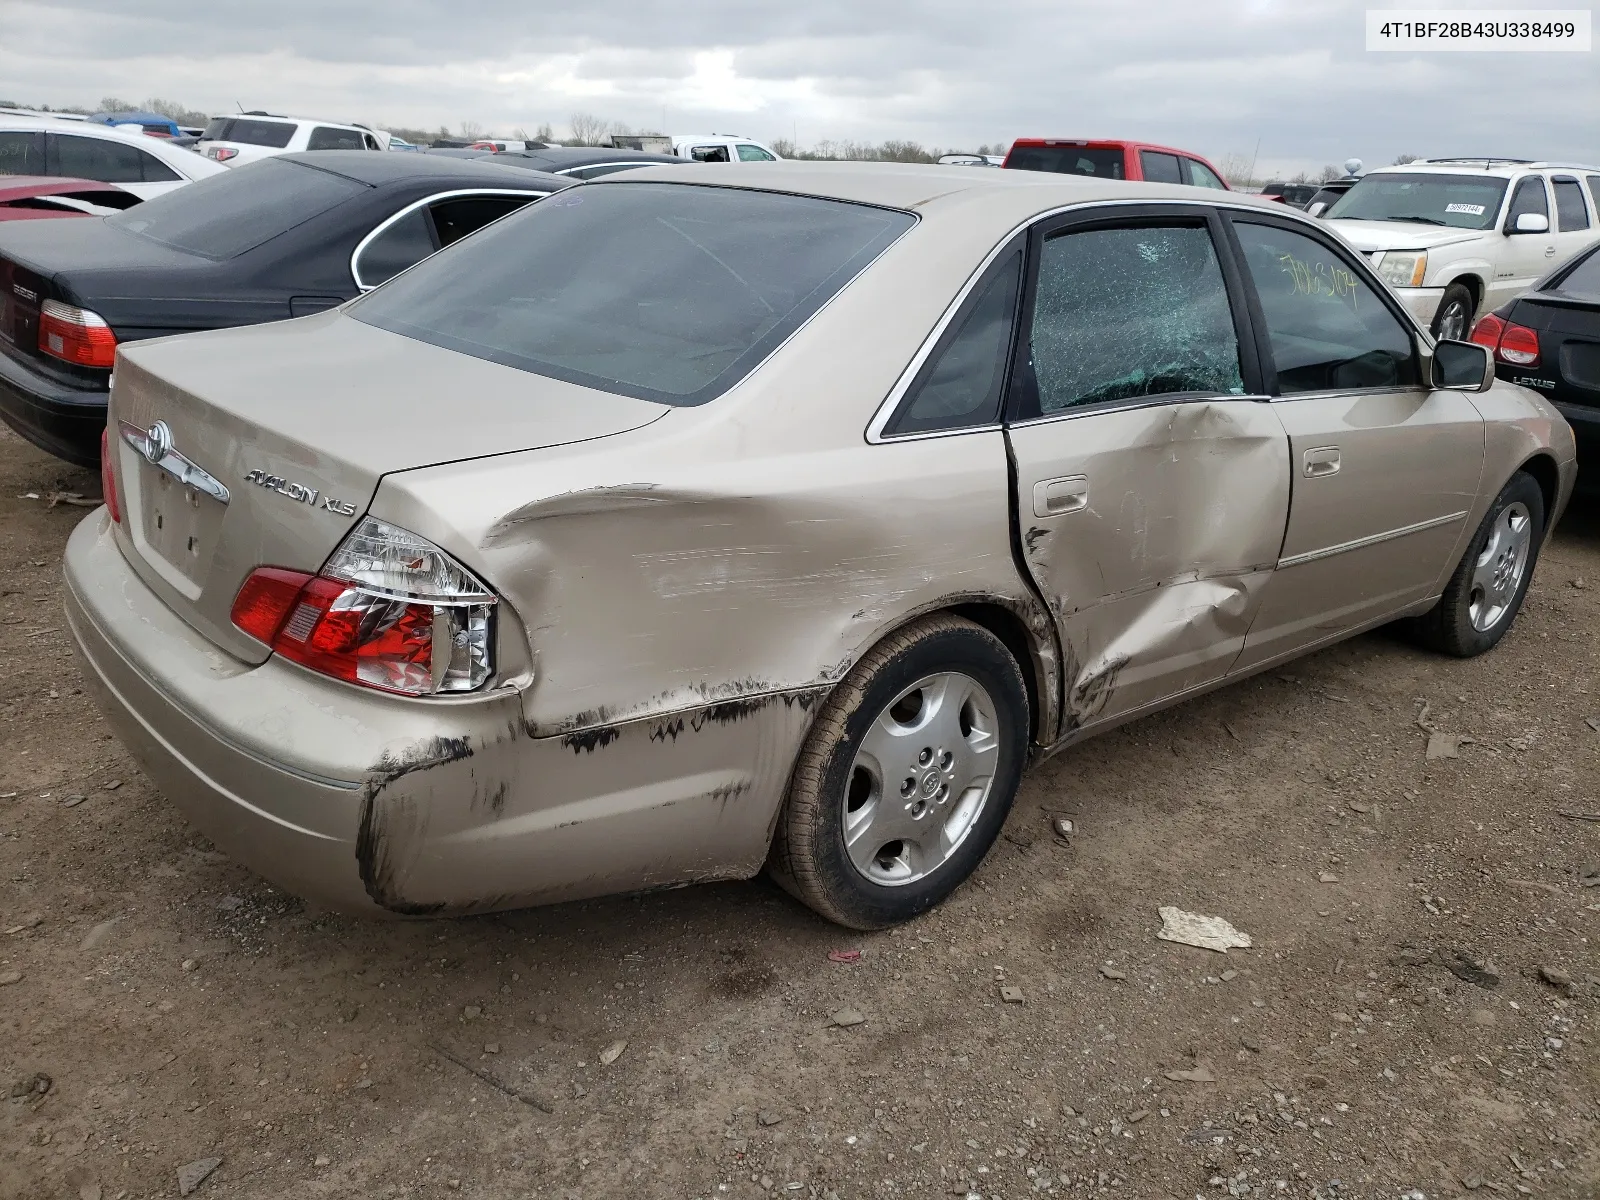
column 181, row 523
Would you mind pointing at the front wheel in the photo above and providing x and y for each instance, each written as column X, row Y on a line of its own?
column 1454, row 317
column 1486, row 591
column 906, row 777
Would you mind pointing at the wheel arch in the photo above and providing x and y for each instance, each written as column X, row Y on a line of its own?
column 1547, row 475
column 1014, row 634
column 1474, row 285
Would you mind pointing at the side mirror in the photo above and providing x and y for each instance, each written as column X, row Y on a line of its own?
column 1462, row 367
column 1531, row 223
column 1317, row 209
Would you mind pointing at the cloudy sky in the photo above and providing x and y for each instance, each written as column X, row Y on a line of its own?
column 1223, row 77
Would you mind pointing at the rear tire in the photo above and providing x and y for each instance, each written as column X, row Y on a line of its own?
column 1484, row 594
column 906, row 777
column 1453, row 321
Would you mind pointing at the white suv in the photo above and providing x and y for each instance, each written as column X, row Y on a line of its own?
column 135, row 162
column 245, row 137
column 1458, row 236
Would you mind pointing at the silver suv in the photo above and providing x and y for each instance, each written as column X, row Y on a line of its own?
column 1458, row 236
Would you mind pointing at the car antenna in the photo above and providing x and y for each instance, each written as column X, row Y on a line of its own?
column 239, row 106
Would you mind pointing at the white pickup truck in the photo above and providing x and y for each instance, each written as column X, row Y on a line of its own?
column 1456, row 237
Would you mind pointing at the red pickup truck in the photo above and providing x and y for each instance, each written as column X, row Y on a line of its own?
column 1113, row 160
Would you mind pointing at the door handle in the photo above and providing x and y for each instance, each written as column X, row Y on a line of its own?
column 1053, row 497
column 1549, row 251
column 1320, row 461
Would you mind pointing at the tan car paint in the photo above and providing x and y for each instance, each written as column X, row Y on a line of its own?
column 680, row 595
column 1153, row 592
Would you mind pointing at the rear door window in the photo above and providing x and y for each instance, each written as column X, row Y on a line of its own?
column 274, row 134
column 1571, row 212
column 1201, row 175
column 1102, row 162
column 327, row 137
column 709, row 153
column 225, row 215
column 1584, row 279
column 959, row 386
column 103, row 160
column 1159, row 168
column 1528, row 198
column 21, row 153
column 665, row 292
column 1328, row 328
column 1128, row 313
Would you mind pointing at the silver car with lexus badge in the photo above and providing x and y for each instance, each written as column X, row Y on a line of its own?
column 700, row 520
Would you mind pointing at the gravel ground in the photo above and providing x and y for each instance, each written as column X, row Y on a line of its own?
column 1388, row 1034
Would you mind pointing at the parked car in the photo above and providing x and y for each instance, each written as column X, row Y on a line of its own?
column 236, row 140
column 399, row 143
column 1328, row 193
column 27, row 197
column 1548, row 339
column 144, row 166
column 1113, row 160
column 502, row 146
column 721, row 147
column 155, row 124
column 1455, row 235
column 972, row 160
column 572, row 162
column 663, row 531
column 282, row 237
column 1296, row 194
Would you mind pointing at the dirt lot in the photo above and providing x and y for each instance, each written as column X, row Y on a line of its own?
column 1388, row 1034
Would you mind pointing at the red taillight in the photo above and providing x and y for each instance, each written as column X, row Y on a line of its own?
column 76, row 335
column 108, row 479
column 263, row 603
column 220, row 154
column 1519, row 346
column 391, row 643
column 1514, row 344
column 1487, row 331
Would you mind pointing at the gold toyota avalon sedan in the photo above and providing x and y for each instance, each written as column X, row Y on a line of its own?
column 700, row 520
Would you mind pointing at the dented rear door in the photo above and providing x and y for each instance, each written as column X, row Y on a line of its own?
column 1152, row 483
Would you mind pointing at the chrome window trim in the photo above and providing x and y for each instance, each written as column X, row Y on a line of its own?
column 627, row 162
column 383, row 225
column 1294, row 560
column 885, row 411
column 1134, row 402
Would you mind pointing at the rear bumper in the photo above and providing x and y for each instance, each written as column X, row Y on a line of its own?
column 61, row 420
column 370, row 803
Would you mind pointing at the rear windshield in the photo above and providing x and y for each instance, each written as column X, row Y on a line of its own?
column 1584, row 279
column 223, row 216
column 1461, row 201
column 665, row 292
column 1103, row 163
column 252, row 133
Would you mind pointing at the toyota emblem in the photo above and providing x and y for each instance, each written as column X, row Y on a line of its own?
column 157, row 442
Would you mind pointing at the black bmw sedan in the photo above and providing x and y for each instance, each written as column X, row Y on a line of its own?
column 1548, row 339
column 283, row 237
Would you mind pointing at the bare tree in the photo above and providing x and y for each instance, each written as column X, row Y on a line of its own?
column 116, row 104
column 544, row 133
column 784, row 148
column 588, row 129
column 1329, row 172
column 470, row 131
column 1235, row 169
column 1402, row 159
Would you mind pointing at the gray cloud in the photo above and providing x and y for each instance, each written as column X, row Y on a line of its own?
column 1291, row 75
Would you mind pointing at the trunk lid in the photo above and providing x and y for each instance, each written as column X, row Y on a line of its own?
column 1569, row 343
column 297, row 422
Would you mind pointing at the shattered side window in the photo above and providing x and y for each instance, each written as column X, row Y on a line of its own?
column 1123, row 313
